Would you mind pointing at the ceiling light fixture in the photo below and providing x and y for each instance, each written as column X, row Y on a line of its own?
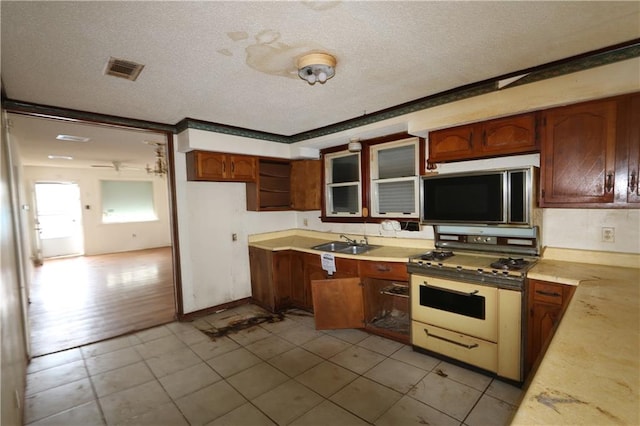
column 355, row 145
column 72, row 138
column 316, row 67
column 59, row 157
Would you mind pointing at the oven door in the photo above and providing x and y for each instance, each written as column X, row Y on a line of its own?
column 454, row 305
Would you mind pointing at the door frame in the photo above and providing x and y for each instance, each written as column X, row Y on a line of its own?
column 62, row 114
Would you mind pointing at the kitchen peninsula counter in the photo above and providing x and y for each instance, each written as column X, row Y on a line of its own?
column 590, row 374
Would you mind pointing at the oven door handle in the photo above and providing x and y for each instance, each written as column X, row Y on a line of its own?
column 464, row 345
column 472, row 293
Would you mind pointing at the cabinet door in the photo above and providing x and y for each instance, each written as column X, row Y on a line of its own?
column 543, row 317
column 282, row 279
column 509, row 135
column 203, row 165
column 452, row 144
column 628, row 179
column 298, row 286
column 242, row 168
column 306, row 184
column 578, row 154
column 547, row 302
column 345, row 268
column 338, row 303
column 261, row 268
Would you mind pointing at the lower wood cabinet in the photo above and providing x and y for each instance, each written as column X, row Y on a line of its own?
column 546, row 304
column 271, row 278
column 386, row 299
column 360, row 294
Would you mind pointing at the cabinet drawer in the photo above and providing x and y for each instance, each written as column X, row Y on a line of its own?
column 547, row 293
column 458, row 346
column 384, row 270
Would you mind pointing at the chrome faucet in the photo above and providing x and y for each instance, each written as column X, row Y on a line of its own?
column 349, row 240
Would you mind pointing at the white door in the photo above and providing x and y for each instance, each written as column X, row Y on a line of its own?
column 59, row 219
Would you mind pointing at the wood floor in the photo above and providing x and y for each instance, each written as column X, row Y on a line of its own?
column 85, row 299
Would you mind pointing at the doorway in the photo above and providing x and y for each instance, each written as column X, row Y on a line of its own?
column 58, row 220
column 99, row 278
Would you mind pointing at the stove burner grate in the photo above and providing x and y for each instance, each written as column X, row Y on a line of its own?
column 436, row 255
column 510, row 264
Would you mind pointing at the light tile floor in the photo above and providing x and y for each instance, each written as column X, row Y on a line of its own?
column 274, row 373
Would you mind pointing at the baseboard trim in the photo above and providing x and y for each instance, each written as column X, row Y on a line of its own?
column 212, row 310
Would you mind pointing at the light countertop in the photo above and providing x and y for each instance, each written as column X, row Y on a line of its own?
column 590, row 374
column 385, row 252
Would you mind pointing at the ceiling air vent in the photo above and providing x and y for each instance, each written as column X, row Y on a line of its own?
column 123, row 69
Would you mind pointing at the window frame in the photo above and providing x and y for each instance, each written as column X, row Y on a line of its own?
column 328, row 186
column 366, row 181
column 124, row 219
column 374, row 180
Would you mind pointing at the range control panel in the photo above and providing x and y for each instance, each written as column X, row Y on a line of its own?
column 481, row 239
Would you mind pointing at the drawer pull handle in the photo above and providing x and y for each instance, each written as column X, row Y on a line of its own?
column 632, row 182
column 383, row 268
column 448, row 290
column 464, row 345
column 608, row 183
column 548, row 293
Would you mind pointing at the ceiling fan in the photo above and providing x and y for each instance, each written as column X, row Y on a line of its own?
column 117, row 165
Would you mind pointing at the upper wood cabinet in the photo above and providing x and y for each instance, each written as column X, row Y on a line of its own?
column 306, row 184
column 628, row 152
column 590, row 155
column 220, row 167
column 272, row 187
column 502, row 136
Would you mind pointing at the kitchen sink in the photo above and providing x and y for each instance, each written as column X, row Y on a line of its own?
column 344, row 247
column 332, row 246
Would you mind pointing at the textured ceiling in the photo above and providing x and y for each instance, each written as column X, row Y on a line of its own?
column 234, row 62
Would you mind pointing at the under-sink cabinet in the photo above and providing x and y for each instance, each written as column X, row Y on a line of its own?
column 361, row 294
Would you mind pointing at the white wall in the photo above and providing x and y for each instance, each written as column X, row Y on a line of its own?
column 102, row 238
column 215, row 269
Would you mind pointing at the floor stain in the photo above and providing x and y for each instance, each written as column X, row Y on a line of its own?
column 243, row 324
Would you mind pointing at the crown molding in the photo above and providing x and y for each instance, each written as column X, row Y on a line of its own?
column 596, row 58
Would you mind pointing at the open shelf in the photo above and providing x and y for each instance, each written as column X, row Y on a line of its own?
column 272, row 189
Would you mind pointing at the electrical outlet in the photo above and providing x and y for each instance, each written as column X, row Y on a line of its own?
column 608, row 234
column 234, row 237
column 305, row 221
